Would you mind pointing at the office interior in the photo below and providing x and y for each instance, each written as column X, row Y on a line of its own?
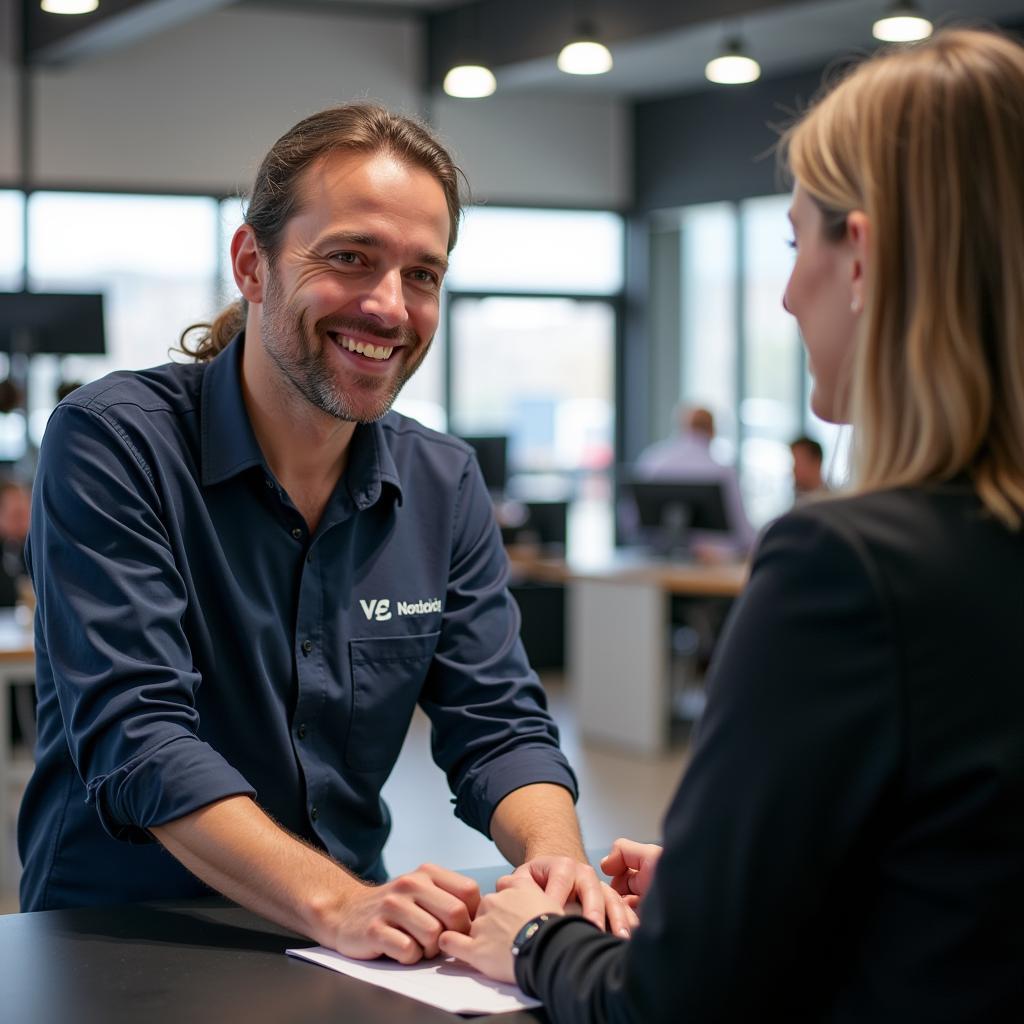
column 623, row 251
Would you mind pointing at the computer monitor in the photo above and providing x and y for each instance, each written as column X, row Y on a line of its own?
column 668, row 510
column 542, row 523
column 57, row 323
column 492, row 455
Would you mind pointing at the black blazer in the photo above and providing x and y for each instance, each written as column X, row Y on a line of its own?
column 848, row 841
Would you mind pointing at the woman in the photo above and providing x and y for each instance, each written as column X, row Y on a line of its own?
column 848, row 841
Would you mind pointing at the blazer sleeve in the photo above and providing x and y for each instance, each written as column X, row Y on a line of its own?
column 767, row 839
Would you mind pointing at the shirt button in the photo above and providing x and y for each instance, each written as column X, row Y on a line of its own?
column 297, row 533
column 313, row 813
column 309, row 557
column 301, row 731
column 307, row 646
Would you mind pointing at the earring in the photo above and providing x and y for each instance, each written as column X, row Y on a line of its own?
column 856, row 305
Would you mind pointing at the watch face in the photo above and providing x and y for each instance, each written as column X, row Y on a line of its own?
column 527, row 932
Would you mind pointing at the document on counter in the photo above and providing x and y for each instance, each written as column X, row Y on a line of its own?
column 447, row 984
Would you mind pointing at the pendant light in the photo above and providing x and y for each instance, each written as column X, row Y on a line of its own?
column 902, row 22
column 733, row 66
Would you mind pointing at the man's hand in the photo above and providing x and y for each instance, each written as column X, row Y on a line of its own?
column 404, row 918
column 631, row 866
column 488, row 947
column 564, row 879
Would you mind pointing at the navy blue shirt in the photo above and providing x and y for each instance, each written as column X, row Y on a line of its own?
column 194, row 642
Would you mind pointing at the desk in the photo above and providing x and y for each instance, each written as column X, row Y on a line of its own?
column 204, row 962
column 618, row 654
column 17, row 664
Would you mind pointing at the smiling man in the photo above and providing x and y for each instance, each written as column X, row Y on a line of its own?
column 249, row 572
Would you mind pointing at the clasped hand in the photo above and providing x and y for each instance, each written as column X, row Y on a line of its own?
column 429, row 910
column 542, row 886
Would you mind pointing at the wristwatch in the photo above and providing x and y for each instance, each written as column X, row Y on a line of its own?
column 526, row 934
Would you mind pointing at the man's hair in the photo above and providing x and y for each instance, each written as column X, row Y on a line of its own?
column 929, row 143
column 810, row 445
column 277, row 195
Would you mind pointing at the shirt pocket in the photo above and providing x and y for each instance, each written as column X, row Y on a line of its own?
column 387, row 676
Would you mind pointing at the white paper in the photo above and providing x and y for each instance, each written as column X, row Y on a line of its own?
column 448, row 984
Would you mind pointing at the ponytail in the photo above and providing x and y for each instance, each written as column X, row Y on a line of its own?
column 214, row 337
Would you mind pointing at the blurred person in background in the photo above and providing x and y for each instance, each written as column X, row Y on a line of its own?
column 687, row 457
column 808, row 456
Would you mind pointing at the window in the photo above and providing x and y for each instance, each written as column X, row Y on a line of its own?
column 737, row 350
column 771, row 410
column 533, row 323
column 569, row 252
column 708, row 312
column 152, row 257
column 540, row 370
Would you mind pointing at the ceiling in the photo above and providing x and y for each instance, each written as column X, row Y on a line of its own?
column 659, row 46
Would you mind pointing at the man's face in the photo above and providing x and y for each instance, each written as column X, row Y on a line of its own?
column 351, row 300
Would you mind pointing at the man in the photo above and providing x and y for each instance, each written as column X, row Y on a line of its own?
column 687, row 457
column 249, row 572
column 808, row 457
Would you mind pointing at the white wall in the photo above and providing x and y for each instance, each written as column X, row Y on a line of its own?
column 545, row 149
column 194, row 108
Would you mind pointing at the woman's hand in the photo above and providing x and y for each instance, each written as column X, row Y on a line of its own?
column 488, row 946
column 631, row 866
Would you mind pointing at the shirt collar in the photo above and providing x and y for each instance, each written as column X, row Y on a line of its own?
column 229, row 445
column 371, row 465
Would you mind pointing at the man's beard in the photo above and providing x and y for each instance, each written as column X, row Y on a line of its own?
column 299, row 350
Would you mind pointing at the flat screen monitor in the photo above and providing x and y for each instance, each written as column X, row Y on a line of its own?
column 668, row 510
column 542, row 523
column 492, row 455
column 56, row 323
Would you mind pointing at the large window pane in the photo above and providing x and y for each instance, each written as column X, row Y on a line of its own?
column 153, row 258
column 708, row 317
column 771, row 409
column 566, row 251
column 540, row 370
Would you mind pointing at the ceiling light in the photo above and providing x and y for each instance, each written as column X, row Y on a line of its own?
column 584, row 55
column 732, row 66
column 69, row 6
column 469, row 82
column 903, row 22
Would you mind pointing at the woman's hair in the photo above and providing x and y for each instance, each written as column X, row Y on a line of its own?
column 929, row 143
column 277, row 195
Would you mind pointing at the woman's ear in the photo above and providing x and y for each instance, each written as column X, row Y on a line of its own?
column 858, row 234
column 247, row 264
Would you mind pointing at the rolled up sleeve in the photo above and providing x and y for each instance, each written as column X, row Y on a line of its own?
column 111, row 600
column 492, row 733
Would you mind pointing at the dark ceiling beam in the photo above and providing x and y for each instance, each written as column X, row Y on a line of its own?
column 62, row 38
column 502, row 33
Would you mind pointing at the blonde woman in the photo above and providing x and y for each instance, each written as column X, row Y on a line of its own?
column 848, row 842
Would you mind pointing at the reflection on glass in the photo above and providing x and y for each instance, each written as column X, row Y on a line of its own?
column 574, row 251
column 540, row 370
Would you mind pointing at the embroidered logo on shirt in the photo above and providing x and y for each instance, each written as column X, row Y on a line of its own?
column 379, row 609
